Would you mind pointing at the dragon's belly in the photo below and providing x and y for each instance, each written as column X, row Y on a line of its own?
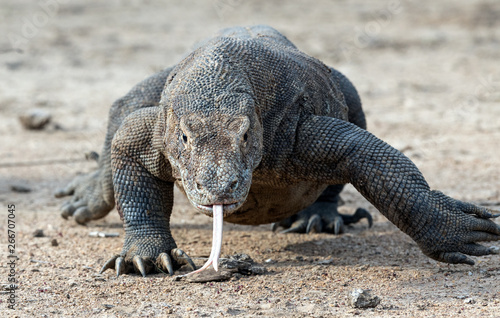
column 267, row 203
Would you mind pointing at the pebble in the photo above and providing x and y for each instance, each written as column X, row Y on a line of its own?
column 38, row 233
column 243, row 264
column 103, row 234
column 35, row 119
column 362, row 298
column 210, row 275
column 54, row 242
column 325, row 261
column 470, row 301
column 19, row 188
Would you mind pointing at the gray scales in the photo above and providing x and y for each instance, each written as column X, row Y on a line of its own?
column 254, row 131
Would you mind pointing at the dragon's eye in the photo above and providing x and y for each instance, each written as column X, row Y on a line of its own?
column 184, row 138
column 245, row 137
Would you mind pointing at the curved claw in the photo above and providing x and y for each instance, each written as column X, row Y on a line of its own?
column 478, row 211
column 164, row 262
column 140, row 265
column 274, row 226
column 454, row 258
column 110, row 264
column 299, row 228
column 120, row 266
column 336, row 226
column 314, row 225
column 358, row 215
column 182, row 258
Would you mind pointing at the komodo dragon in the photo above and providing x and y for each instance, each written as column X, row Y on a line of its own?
column 254, row 131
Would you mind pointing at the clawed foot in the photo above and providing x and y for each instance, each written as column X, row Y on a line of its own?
column 89, row 201
column 321, row 217
column 453, row 229
column 165, row 262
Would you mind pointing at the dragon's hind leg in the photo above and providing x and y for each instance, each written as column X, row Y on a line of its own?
column 323, row 215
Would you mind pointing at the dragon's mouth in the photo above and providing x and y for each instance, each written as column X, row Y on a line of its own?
column 227, row 208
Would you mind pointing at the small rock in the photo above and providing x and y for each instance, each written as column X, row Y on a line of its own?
column 242, row 257
column 363, row 299
column 35, row 119
column 470, row 301
column 108, row 306
column 257, row 270
column 92, row 155
column 54, row 242
column 324, row 261
column 103, row 234
column 210, row 275
column 20, row 188
column 72, row 283
column 242, row 263
column 38, row 233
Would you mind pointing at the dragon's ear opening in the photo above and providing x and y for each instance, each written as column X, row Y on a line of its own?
column 239, row 125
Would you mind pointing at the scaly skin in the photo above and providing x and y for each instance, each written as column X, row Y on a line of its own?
column 248, row 122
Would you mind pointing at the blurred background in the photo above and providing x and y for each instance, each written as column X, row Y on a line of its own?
column 428, row 74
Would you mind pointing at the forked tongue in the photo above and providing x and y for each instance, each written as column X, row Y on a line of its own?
column 218, row 212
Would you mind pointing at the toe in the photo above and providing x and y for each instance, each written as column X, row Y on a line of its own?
column 314, row 225
column 141, row 266
column 164, row 263
column 452, row 258
column 486, row 226
column 274, row 226
column 476, row 250
column 110, row 264
column 336, row 226
column 64, row 192
column 120, row 267
column 478, row 211
column 182, row 258
column 297, row 227
column 70, row 207
column 82, row 215
column 358, row 216
column 478, row 236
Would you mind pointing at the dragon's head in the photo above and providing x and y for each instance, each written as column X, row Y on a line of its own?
column 213, row 131
column 214, row 156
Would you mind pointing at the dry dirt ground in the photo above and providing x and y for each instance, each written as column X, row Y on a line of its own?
column 429, row 77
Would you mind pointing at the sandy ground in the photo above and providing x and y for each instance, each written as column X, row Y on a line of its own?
column 428, row 75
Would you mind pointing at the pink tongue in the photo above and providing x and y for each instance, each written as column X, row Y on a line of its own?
column 218, row 212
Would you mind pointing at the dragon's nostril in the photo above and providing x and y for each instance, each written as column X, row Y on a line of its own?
column 233, row 185
column 198, row 186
